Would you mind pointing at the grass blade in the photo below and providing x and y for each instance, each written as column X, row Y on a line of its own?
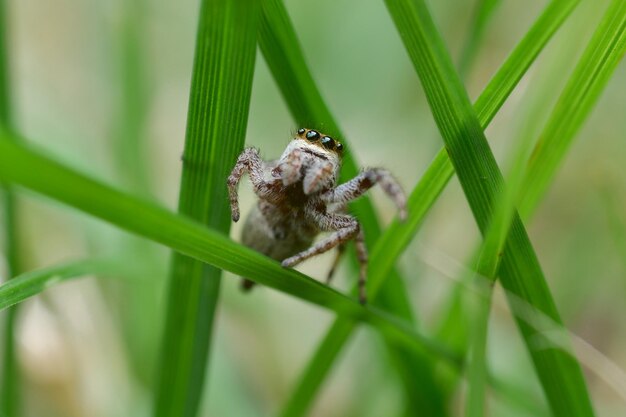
column 27, row 168
column 283, row 54
column 490, row 256
column 604, row 52
column 132, row 110
column 28, row 284
column 559, row 373
column 216, row 124
column 398, row 235
column 482, row 12
column 10, row 382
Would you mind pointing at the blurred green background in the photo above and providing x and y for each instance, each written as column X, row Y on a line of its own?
column 86, row 74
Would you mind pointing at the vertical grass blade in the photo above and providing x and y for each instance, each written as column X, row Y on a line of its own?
column 132, row 109
column 137, row 300
column 283, row 55
column 10, row 392
column 604, row 52
column 216, row 124
column 475, row 165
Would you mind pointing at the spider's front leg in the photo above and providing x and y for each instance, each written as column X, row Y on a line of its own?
column 345, row 228
column 358, row 185
column 248, row 161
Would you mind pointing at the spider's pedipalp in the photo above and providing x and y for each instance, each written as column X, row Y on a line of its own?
column 248, row 161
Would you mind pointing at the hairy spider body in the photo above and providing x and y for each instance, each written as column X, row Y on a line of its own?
column 298, row 199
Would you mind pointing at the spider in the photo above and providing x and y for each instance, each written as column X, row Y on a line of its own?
column 298, row 199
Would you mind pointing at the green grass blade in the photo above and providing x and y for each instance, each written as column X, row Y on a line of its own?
column 216, row 124
column 283, row 54
column 521, row 275
column 31, row 283
column 10, row 381
column 483, row 11
column 604, row 52
column 477, row 360
column 398, row 235
column 133, row 107
column 490, row 256
column 27, row 168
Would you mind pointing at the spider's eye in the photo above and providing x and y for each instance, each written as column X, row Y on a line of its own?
column 328, row 142
column 301, row 131
column 312, row 135
column 339, row 147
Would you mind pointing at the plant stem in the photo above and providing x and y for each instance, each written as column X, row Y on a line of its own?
column 216, row 124
column 10, row 382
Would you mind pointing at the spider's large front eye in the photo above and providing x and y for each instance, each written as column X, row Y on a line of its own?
column 312, row 135
column 301, row 131
column 328, row 142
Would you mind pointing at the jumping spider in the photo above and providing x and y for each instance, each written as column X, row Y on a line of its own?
column 298, row 199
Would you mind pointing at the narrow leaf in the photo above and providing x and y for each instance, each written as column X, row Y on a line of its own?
column 604, row 52
column 484, row 9
column 10, row 381
column 28, row 284
column 216, row 124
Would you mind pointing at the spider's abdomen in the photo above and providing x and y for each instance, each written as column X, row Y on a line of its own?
column 276, row 233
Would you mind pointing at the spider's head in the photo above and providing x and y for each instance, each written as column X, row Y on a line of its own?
column 313, row 158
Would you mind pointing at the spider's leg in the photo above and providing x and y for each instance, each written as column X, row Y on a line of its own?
column 345, row 228
column 361, row 254
column 358, row 185
column 340, row 251
column 249, row 161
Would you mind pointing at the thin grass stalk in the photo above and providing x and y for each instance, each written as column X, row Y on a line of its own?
column 521, row 275
column 601, row 57
column 29, row 284
column 10, row 382
column 483, row 10
column 132, row 109
column 137, row 300
column 217, row 118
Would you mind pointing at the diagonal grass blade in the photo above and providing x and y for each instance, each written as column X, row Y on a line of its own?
column 559, row 373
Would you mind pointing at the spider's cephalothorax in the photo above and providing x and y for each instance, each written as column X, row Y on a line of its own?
column 298, row 199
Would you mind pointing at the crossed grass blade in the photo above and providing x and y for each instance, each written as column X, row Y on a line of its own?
column 559, row 373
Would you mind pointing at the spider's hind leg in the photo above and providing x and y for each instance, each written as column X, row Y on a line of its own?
column 362, row 256
column 341, row 249
column 345, row 228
